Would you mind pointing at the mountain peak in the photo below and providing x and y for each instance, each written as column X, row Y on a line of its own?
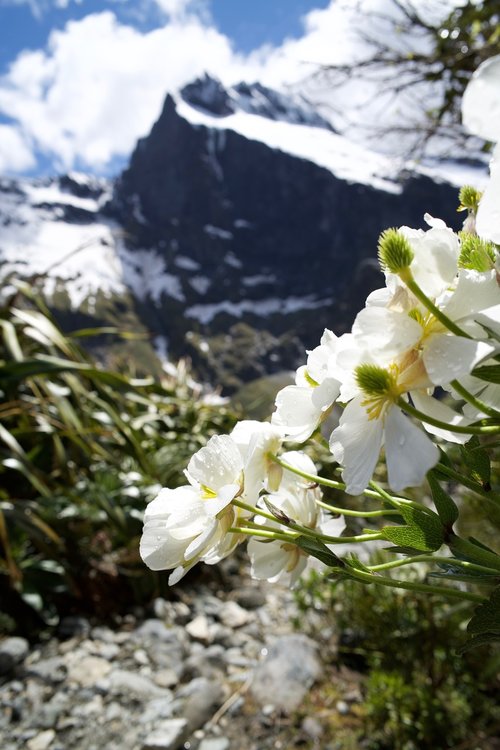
column 208, row 95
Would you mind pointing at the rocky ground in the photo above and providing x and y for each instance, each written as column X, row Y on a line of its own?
column 219, row 667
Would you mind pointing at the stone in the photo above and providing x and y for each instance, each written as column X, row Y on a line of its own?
column 72, row 626
column 168, row 735
column 234, row 616
column 199, row 629
column 123, row 681
column 153, row 629
column 203, row 698
column 214, row 743
column 342, row 707
column 41, row 741
column 52, row 670
column 287, row 672
column 88, row 670
column 13, row 651
column 312, row 727
column 249, row 597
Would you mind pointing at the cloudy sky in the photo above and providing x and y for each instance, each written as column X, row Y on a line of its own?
column 81, row 80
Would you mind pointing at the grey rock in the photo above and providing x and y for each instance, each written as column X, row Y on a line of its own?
column 312, row 727
column 249, row 597
column 233, row 615
column 199, row 629
column 157, row 708
column 52, row 670
column 88, row 670
column 287, row 672
column 153, row 629
column 214, row 743
column 72, row 626
column 41, row 741
column 203, row 698
column 342, row 707
column 169, row 735
column 123, row 681
column 13, row 651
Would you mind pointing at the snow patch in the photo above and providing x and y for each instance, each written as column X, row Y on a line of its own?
column 217, row 232
column 200, row 284
column 206, row 313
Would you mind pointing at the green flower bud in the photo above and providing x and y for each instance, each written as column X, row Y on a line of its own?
column 469, row 199
column 394, row 251
column 476, row 254
column 374, row 380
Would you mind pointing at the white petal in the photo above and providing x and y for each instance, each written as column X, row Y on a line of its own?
column 410, row 453
column 268, row 559
column 435, row 263
column 296, row 414
column 356, row 445
column 481, row 101
column 448, row 357
column 386, row 332
column 214, row 505
column 436, row 409
column 217, row 464
column 490, row 317
column 488, row 215
column 474, row 292
column 196, row 547
column 317, row 361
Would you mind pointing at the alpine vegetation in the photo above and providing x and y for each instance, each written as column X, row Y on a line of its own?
column 433, row 329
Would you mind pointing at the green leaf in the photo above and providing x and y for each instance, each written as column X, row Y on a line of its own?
column 280, row 515
column 445, row 506
column 490, row 373
column 477, row 640
column 320, row 551
column 486, row 618
column 423, row 531
column 477, row 461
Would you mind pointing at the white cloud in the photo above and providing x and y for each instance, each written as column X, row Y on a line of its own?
column 15, row 154
column 100, row 84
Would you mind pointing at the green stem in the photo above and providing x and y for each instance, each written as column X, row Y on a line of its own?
column 469, row 430
column 413, row 586
column 398, row 501
column 316, row 479
column 407, row 276
column 438, row 559
column 469, row 483
column 357, row 513
column 473, row 551
column 265, row 533
column 254, row 510
column 471, row 399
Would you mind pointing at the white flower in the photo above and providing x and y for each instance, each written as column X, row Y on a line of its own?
column 356, row 445
column 481, row 116
column 217, row 470
column 436, row 253
column 256, row 441
column 301, row 407
column 176, row 530
column 283, row 561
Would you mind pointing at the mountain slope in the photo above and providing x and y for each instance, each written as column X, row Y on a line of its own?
column 242, row 227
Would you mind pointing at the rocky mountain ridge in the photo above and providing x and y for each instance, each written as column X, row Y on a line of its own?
column 242, row 227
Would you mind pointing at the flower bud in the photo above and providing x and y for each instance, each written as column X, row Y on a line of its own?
column 476, row 254
column 394, row 251
column 374, row 380
column 469, row 198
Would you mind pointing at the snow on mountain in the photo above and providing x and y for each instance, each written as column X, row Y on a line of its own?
column 243, row 225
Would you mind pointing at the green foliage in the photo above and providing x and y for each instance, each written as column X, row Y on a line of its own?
column 419, row 692
column 82, row 450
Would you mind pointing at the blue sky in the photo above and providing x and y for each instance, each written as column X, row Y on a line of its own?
column 73, row 71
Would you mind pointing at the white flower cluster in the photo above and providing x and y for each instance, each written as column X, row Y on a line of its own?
column 226, row 479
column 426, row 331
